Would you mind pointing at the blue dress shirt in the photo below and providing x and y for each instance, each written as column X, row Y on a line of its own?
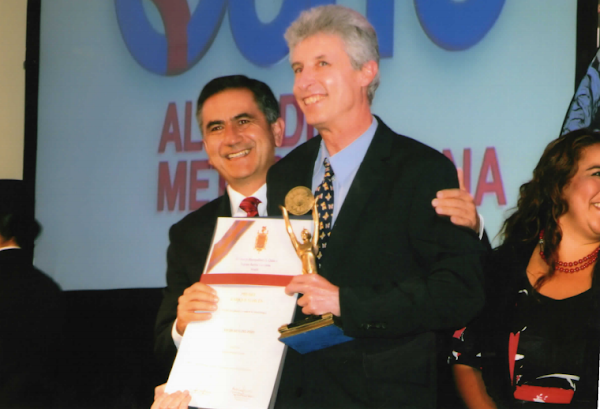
column 344, row 164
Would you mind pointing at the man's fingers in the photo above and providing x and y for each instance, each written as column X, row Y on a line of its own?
column 198, row 297
column 193, row 306
column 449, row 193
column 159, row 390
column 174, row 400
column 453, row 208
column 186, row 400
column 461, row 221
column 299, row 284
column 199, row 288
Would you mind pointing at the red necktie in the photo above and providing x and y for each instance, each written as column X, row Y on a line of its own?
column 250, row 206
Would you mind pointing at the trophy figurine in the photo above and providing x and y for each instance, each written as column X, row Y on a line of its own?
column 318, row 331
column 308, row 249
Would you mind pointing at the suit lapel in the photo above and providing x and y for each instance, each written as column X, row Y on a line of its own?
column 304, row 173
column 368, row 179
column 224, row 209
column 299, row 174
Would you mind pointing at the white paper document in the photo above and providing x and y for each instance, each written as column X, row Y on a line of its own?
column 232, row 360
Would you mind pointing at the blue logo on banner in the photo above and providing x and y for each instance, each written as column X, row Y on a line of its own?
column 186, row 39
column 456, row 25
column 451, row 24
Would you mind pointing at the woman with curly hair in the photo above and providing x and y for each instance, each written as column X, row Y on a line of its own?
column 538, row 336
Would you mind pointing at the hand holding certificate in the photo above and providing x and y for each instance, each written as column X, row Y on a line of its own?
column 232, row 360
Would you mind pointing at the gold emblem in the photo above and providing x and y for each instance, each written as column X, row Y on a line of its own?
column 299, row 200
column 261, row 239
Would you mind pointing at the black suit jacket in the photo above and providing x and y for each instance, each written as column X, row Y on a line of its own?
column 31, row 323
column 403, row 273
column 189, row 246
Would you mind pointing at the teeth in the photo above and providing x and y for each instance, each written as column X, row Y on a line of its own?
column 597, row 205
column 238, row 154
column 312, row 99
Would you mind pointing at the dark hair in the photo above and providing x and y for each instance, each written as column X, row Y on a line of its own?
column 541, row 201
column 19, row 227
column 263, row 96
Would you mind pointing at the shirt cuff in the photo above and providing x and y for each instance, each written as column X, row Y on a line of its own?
column 481, row 227
column 175, row 335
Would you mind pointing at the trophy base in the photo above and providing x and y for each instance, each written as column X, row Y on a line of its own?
column 313, row 333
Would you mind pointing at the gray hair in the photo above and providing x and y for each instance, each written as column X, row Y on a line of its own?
column 352, row 27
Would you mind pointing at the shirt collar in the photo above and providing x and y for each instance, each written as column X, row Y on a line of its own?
column 346, row 161
column 235, row 198
column 10, row 248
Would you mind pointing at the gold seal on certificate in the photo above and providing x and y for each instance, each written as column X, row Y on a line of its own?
column 261, row 239
column 299, row 200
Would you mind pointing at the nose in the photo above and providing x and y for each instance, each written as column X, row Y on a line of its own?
column 304, row 79
column 232, row 135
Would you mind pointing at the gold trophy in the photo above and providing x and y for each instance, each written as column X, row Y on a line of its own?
column 299, row 202
column 318, row 331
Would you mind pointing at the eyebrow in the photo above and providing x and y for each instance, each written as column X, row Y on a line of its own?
column 243, row 115
column 235, row 118
column 213, row 123
column 317, row 58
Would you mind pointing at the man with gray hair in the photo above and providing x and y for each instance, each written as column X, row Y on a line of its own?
column 389, row 267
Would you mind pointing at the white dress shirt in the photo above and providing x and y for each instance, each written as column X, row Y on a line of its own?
column 235, row 199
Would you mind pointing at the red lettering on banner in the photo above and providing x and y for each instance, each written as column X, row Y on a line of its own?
column 178, row 186
column 466, row 165
column 170, row 131
column 197, row 184
column 490, row 163
column 310, row 132
column 288, row 100
column 176, row 16
column 188, row 144
column 285, row 101
column 448, row 153
column 222, row 185
column 467, row 168
column 171, row 191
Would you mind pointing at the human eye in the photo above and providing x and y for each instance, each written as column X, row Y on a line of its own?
column 322, row 63
column 215, row 128
column 297, row 69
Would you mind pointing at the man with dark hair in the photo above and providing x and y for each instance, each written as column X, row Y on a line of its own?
column 241, row 126
column 31, row 308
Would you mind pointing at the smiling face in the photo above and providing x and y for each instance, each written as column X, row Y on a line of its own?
column 328, row 89
column 582, row 195
column 239, row 141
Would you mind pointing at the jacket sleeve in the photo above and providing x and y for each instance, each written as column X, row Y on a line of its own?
column 436, row 273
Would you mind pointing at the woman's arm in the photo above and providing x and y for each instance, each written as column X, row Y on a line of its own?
column 471, row 388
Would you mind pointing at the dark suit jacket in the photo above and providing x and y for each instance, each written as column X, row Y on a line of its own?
column 403, row 273
column 190, row 240
column 31, row 319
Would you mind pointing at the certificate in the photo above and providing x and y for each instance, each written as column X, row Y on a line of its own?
column 233, row 359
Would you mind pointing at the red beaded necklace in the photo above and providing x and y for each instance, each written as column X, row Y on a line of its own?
column 571, row 266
